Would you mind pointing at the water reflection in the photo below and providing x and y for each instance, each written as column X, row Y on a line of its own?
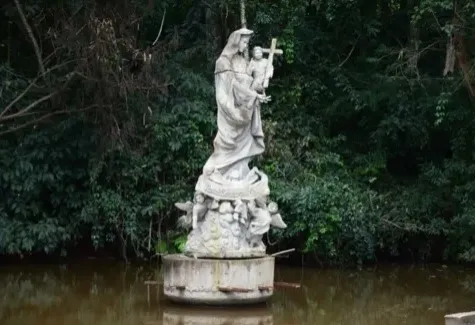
column 106, row 294
column 389, row 295
column 174, row 315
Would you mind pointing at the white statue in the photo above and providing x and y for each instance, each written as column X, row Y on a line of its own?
column 240, row 136
column 230, row 214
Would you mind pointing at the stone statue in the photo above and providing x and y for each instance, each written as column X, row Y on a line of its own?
column 229, row 214
column 240, row 135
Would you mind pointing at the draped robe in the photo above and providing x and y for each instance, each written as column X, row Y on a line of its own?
column 240, row 136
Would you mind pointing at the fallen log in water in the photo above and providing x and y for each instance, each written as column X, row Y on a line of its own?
column 287, row 285
column 283, row 252
column 265, row 288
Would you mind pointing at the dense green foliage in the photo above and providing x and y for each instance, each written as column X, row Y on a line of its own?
column 370, row 143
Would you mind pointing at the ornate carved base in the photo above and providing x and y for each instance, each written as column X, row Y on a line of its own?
column 221, row 235
column 229, row 217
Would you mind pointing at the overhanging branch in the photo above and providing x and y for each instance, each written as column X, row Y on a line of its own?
column 44, row 117
column 28, row 108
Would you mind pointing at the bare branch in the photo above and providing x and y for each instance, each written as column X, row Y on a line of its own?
column 161, row 27
column 243, row 14
column 9, row 106
column 29, row 107
column 44, row 117
column 27, row 89
column 31, row 35
column 350, row 53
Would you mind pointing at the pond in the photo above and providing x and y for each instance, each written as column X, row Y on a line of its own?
column 100, row 293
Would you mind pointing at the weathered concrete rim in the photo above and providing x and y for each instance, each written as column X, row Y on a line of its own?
column 229, row 255
column 218, row 282
column 215, row 259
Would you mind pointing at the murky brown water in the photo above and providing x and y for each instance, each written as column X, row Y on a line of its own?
column 96, row 293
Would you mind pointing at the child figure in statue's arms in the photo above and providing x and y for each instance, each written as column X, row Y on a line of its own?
column 257, row 69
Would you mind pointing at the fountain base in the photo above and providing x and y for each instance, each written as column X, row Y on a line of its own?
column 218, row 281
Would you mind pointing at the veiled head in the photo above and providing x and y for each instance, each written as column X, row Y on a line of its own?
column 238, row 42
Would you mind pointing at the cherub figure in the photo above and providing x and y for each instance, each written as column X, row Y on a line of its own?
column 226, row 211
column 240, row 211
column 276, row 221
column 199, row 208
column 186, row 219
column 258, row 69
column 259, row 225
column 194, row 210
column 261, row 219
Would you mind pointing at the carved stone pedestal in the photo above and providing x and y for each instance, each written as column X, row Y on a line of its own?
column 229, row 217
column 218, row 281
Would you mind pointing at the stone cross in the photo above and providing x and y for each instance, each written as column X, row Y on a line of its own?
column 273, row 50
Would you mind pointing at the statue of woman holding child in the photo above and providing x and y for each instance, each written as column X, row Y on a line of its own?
column 240, row 136
column 231, row 212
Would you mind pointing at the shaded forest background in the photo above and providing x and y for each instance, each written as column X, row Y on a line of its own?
column 107, row 114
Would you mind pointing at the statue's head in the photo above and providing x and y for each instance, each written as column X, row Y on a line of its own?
column 199, row 197
column 244, row 43
column 257, row 53
column 238, row 42
column 272, row 207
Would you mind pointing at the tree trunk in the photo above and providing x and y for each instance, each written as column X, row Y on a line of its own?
column 244, row 23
